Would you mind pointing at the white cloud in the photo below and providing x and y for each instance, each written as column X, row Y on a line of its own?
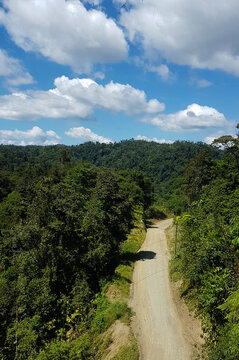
column 76, row 98
column 93, row 2
column 200, row 83
column 203, row 83
column 13, row 71
column 85, row 134
column 163, row 72
column 209, row 139
column 154, row 139
column 64, row 31
column 112, row 97
column 32, row 105
column 194, row 118
column 202, row 34
column 99, row 75
column 34, row 136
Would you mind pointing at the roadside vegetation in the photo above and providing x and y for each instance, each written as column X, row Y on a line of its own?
column 63, row 234
column 69, row 231
column 207, row 256
column 108, row 306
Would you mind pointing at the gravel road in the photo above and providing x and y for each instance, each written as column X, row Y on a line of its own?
column 158, row 327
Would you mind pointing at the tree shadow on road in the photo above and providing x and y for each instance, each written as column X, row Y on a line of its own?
column 150, row 224
column 139, row 256
column 145, row 255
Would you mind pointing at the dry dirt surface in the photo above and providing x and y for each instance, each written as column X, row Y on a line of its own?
column 120, row 337
column 163, row 330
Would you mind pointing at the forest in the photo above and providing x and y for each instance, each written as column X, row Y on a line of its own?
column 161, row 162
column 61, row 231
column 65, row 213
column 208, row 258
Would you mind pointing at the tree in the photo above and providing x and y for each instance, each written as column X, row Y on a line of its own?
column 228, row 142
column 198, row 174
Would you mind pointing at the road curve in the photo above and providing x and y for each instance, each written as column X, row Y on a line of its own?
column 156, row 324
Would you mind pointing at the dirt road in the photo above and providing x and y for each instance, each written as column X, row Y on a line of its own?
column 158, row 326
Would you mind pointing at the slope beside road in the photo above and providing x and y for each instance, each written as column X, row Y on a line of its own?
column 163, row 331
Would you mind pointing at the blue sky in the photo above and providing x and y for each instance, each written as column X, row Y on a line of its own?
column 100, row 70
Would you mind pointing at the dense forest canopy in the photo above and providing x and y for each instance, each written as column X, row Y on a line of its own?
column 60, row 238
column 209, row 252
column 63, row 221
column 161, row 162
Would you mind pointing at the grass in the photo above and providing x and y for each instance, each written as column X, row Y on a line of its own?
column 130, row 352
column 123, row 272
column 175, row 262
column 107, row 314
column 112, row 303
column 176, row 273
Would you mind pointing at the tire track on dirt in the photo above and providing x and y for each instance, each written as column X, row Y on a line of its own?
column 157, row 325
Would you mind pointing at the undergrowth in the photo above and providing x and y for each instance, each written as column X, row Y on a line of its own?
column 177, row 275
column 91, row 337
column 128, row 352
column 117, row 291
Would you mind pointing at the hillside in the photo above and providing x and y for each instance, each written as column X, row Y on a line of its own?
column 207, row 255
column 61, row 237
column 161, row 162
column 63, row 225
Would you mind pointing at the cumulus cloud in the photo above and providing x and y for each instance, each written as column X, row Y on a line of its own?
column 162, row 71
column 64, row 31
column 200, row 83
column 34, row 136
column 209, row 139
column 85, row 134
column 154, row 139
column 32, row 105
column 99, row 75
column 76, row 98
column 112, row 97
column 13, row 71
column 194, row 118
column 201, row 34
column 93, row 2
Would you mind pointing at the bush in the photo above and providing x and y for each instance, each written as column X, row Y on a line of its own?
column 106, row 314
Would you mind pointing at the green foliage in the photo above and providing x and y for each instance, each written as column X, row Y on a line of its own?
column 106, row 313
column 61, row 235
column 5, row 184
column 55, row 351
column 23, row 338
column 130, row 352
column 11, row 210
column 78, row 349
column 197, row 175
column 208, row 258
column 161, row 162
column 155, row 212
column 64, row 227
column 227, row 346
column 234, row 230
column 231, row 307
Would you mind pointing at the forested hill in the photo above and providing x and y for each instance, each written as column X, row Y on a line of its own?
column 61, row 234
column 208, row 254
column 63, row 223
column 161, row 162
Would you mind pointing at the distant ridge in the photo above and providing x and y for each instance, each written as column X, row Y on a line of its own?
column 161, row 162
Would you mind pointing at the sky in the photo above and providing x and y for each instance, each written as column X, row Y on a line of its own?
column 98, row 70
